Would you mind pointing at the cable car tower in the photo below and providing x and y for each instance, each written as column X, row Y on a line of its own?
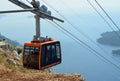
column 41, row 52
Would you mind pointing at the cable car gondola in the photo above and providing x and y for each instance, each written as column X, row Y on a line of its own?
column 41, row 54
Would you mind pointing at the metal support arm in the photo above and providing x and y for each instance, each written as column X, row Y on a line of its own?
column 36, row 10
column 16, row 11
column 40, row 13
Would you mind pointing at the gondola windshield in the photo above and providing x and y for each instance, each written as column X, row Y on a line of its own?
column 50, row 54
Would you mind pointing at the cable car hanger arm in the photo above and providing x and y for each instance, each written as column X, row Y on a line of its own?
column 37, row 12
column 49, row 17
column 15, row 11
column 32, row 10
column 40, row 12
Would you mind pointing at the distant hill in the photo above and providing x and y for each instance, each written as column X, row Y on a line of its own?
column 110, row 38
column 117, row 52
column 14, row 43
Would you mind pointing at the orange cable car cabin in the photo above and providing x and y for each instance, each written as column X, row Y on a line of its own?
column 41, row 54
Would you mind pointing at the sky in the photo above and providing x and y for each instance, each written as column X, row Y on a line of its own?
column 21, row 26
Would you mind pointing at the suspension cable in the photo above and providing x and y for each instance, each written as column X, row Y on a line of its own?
column 64, row 33
column 67, row 34
column 115, row 32
column 107, row 15
column 80, row 41
column 90, row 48
column 73, row 26
column 77, row 29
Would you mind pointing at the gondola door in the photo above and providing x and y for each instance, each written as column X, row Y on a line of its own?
column 51, row 54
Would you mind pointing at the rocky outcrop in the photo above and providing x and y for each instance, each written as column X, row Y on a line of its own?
column 15, row 53
column 12, row 62
column 17, row 56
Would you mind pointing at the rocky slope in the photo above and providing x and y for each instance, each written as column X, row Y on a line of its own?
column 11, row 70
column 15, row 76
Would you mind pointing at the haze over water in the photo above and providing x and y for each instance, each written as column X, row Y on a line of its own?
column 76, row 58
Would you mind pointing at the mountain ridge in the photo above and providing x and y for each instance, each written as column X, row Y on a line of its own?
column 14, row 43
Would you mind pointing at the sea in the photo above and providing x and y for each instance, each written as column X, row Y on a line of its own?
column 78, row 60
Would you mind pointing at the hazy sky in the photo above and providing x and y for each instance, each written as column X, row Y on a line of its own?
column 21, row 26
column 75, row 4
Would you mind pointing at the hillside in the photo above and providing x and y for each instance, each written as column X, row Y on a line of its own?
column 11, row 69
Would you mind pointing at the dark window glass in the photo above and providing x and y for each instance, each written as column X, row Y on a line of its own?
column 58, row 51
column 50, row 53
column 31, row 56
column 43, row 58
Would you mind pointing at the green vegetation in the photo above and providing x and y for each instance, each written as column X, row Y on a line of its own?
column 19, row 50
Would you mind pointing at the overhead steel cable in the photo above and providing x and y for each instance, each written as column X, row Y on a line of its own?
column 103, row 19
column 73, row 26
column 115, row 32
column 80, row 41
column 67, row 34
column 64, row 32
column 95, row 52
column 107, row 15
column 77, row 29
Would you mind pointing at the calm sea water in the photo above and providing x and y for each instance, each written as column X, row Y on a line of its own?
column 77, row 59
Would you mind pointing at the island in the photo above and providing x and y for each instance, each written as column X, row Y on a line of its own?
column 111, row 38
